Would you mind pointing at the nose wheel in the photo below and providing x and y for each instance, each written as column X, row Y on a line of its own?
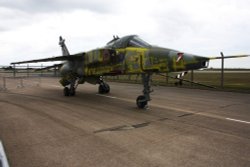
column 141, row 101
column 104, row 88
column 69, row 92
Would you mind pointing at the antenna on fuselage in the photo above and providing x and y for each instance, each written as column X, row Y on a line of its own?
column 115, row 37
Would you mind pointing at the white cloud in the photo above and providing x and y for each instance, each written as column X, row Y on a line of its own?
column 196, row 26
column 45, row 6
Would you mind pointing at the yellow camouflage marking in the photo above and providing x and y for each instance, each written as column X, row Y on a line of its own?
column 134, row 60
column 178, row 65
column 154, row 62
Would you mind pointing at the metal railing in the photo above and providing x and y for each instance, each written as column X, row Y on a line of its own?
column 23, row 76
column 237, row 79
column 20, row 70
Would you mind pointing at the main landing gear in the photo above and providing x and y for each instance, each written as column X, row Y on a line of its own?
column 103, row 87
column 71, row 89
column 142, row 100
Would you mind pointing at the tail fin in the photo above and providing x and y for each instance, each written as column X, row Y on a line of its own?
column 65, row 51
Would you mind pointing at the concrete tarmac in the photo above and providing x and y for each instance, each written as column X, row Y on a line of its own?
column 182, row 127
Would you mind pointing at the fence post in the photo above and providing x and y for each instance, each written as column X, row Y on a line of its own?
column 222, row 70
column 137, row 76
column 4, row 83
column 167, row 78
column 21, row 82
column 129, row 77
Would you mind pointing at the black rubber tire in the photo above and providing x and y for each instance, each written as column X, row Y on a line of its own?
column 107, row 88
column 66, row 91
column 101, row 89
column 104, row 88
column 72, row 92
column 141, row 102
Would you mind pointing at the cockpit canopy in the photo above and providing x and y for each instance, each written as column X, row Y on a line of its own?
column 127, row 41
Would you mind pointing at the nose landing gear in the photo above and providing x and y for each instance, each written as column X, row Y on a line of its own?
column 142, row 100
column 69, row 91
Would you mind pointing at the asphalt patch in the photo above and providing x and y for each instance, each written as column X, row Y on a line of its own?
column 184, row 115
column 129, row 127
column 141, row 125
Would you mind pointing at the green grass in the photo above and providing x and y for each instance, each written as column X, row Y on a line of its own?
column 236, row 80
column 233, row 81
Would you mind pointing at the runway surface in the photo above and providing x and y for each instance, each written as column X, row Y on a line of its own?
column 182, row 127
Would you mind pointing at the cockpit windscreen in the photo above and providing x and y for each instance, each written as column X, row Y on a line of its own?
column 137, row 42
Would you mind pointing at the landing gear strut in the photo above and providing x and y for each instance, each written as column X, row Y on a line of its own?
column 142, row 100
column 71, row 89
column 103, row 87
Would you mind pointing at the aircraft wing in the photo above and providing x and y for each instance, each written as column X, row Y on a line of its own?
column 78, row 56
column 228, row 57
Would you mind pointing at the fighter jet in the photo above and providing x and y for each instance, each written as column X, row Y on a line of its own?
column 122, row 56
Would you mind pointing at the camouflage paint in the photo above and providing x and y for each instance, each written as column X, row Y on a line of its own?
column 136, row 60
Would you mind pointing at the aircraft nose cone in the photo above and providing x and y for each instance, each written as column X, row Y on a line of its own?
column 175, row 60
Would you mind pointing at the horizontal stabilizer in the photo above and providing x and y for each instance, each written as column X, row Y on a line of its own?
column 228, row 57
column 74, row 57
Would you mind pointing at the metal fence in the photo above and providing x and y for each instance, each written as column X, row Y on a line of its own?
column 12, row 83
column 233, row 79
column 27, row 71
column 23, row 76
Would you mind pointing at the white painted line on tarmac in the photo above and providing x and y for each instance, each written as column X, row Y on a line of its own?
column 112, row 97
column 181, row 110
column 56, row 86
column 237, row 120
column 3, row 159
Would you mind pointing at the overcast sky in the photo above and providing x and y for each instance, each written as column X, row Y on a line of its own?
column 29, row 29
